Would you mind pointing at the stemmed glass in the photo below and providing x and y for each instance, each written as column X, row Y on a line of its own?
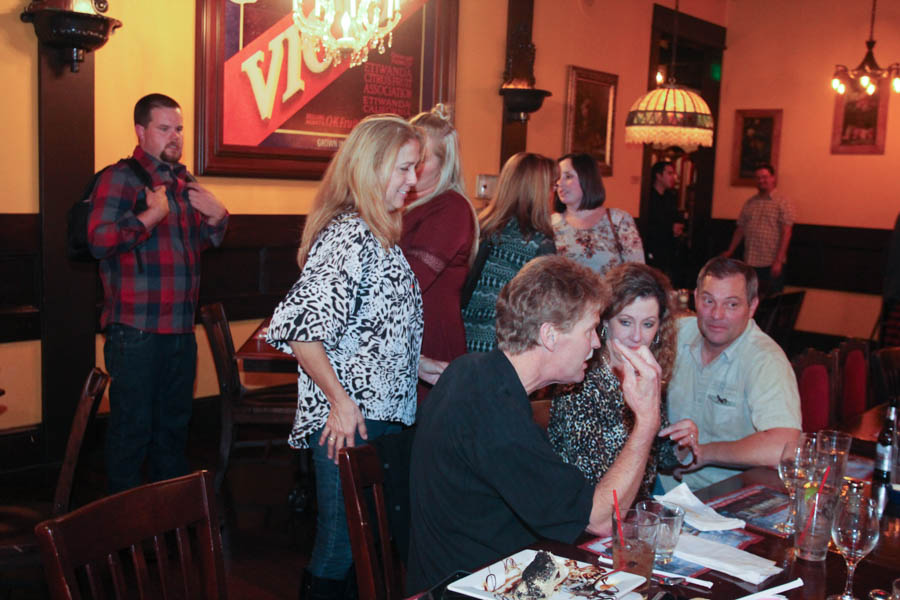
column 855, row 532
column 796, row 465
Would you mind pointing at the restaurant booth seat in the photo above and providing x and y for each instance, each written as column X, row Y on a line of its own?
column 852, row 377
column 159, row 540
column 815, row 381
column 274, row 405
column 18, row 544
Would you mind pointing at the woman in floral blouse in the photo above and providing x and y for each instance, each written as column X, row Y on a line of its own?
column 353, row 320
column 589, row 422
column 597, row 237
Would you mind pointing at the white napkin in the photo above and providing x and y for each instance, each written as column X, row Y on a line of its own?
column 726, row 559
column 696, row 514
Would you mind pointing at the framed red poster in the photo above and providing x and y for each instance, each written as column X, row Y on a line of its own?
column 268, row 105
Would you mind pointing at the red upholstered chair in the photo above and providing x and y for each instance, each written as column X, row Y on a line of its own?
column 814, row 370
column 852, row 366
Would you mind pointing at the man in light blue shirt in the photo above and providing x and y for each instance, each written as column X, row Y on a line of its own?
column 732, row 379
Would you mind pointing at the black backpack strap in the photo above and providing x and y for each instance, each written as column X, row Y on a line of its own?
column 139, row 205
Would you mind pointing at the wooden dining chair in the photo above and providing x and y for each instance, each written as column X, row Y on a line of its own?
column 540, row 412
column 852, row 377
column 379, row 572
column 887, row 368
column 18, row 545
column 159, row 540
column 275, row 405
column 782, row 323
column 815, row 380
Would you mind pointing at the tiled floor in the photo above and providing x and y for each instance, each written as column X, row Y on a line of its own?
column 266, row 545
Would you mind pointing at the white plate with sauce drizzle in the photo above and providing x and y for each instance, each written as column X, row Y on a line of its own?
column 584, row 582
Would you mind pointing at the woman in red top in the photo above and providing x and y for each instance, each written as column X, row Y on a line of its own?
column 440, row 237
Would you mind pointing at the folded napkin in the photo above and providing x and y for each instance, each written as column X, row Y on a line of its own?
column 696, row 514
column 725, row 558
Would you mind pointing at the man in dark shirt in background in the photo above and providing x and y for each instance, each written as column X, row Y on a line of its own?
column 149, row 241
column 664, row 229
column 484, row 480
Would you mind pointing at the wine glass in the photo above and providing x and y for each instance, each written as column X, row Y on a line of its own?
column 795, row 467
column 855, row 532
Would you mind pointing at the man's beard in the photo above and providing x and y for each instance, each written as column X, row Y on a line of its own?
column 171, row 154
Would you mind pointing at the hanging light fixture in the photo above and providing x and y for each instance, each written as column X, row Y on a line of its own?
column 670, row 115
column 348, row 28
column 868, row 74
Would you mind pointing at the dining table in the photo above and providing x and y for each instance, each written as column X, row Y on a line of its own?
column 820, row 579
column 259, row 357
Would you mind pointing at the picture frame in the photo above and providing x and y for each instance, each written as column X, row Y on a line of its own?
column 590, row 115
column 248, row 125
column 757, row 139
column 860, row 121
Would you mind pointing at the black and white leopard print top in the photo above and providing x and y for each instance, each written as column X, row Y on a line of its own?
column 363, row 303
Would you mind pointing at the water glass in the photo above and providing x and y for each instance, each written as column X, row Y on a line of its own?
column 855, row 532
column 815, row 512
column 797, row 465
column 671, row 518
column 896, row 590
column 634, row 543
column 834, row 446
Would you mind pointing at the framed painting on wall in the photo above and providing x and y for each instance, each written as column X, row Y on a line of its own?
column 590, row 113
column 270, row 104
column 757, row 138
column 860, row 121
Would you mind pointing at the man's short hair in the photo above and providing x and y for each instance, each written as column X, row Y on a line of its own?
column 148, row 103
column 767, row 166
column 721, row 267
column 657, row 169
column 549, row 289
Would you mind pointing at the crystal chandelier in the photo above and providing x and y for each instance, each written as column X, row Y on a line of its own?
column 670, row 115
column 348, row 28
column 868, row 73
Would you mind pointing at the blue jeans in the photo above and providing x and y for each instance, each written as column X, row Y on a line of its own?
column 150, row 399
column 332, row 554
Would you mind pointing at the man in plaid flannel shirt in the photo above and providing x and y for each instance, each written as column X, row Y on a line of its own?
column 149, row 241
column 765, row 225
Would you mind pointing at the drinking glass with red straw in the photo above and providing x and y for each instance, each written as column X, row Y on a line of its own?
column 809, row 517
column 618, row 519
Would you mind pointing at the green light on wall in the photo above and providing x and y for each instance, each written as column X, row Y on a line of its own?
column 715, row 72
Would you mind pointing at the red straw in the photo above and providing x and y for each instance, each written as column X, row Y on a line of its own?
column 809, row 518
column 618, row 519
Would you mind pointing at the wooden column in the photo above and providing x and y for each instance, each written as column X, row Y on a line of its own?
column 519, row 63
column 67, row 299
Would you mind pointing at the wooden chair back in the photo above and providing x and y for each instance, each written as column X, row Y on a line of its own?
column 887, row 367
column 222, row 346
column 852, row 369
column 815, row 380
column 276, row 405
column 362, row 479
column 18, row 546
column 785, row 318
column 540, row 412
column 157, row 540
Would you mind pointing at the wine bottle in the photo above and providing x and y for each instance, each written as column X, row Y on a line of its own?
column 884, row 451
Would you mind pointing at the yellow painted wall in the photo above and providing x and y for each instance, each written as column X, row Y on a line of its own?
column 782, row 62
column 791, row 59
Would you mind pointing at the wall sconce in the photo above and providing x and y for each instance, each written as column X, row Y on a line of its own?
column 520, row 101
column 73, row 26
